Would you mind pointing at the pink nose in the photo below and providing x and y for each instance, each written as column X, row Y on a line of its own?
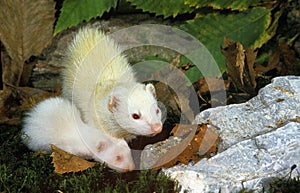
column 124, row 168
column 156, row 128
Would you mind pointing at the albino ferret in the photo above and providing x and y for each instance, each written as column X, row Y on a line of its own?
column 57, row 121
column 99, row 80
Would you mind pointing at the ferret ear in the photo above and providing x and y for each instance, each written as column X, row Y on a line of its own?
column 113, row 103
column 101, row 146
column 150, row 88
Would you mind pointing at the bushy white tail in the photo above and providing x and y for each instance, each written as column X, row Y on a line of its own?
column 92, row 60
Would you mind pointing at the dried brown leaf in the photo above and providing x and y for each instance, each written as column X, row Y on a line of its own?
column 288, row 57
column 240, row 65
column 208, row 140
column 10, row 109
column 180, row 129
column 26, row 26
column 26, row 29
column 273, row 63
column 240, row 61
column 37, row 96
column 187, row 132
column 8, row 113
column 64, row 162
column 215, row 84
column 194, row 147
column 250, row 73
column 283, row 59
column 29, row 96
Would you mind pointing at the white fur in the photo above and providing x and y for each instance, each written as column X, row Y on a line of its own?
column 56, row 121
column 96, row 73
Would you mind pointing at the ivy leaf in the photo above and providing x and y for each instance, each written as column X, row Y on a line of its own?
column 73, row 12
column 165, row 8
column 248, row 27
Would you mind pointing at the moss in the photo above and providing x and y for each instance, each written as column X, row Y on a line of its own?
column 285, row 185
column 22, row 170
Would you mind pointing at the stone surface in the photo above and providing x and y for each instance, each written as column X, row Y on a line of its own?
column 260, row 140
column 248, row 163
column 276, row 104
column 151, row 153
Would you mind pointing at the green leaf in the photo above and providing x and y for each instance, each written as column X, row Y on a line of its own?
column 193, row 74
column 75, row 11
column 162, row 7
column 225, row 4
column 184, row 60
column 248, row 27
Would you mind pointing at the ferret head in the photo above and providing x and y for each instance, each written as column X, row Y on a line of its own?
column 116, row 154
column 135, row 109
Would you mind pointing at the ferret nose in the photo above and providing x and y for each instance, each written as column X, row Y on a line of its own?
column 156, row 128
column 129, row 168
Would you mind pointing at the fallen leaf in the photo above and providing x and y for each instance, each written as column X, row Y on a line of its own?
column 215, row 84
column 64, row 162
column 287, row 59
column 12, row 96
column 208, row 145
column 26, row 29
column 207, row 86
column 9, row 112
column 240, row 65
column 186, row 133
column 283, row 59
column 194, row 146
column 31, row 96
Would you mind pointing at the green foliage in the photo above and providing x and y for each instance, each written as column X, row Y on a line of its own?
column 248, row 27
column 163, row 8
column 222, row 4
column 248, row 22
column 73, row 12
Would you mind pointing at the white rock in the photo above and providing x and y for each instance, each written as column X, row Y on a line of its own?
column 248, row 163
column 275, row 104
column 260, row 139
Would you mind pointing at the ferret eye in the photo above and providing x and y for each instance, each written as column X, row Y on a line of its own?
column 136, row 116
column 157, row 111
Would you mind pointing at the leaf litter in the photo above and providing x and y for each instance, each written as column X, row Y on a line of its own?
column 64, row 162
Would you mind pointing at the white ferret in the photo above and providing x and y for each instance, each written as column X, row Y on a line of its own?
column 101, row 83
column 57, row 121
